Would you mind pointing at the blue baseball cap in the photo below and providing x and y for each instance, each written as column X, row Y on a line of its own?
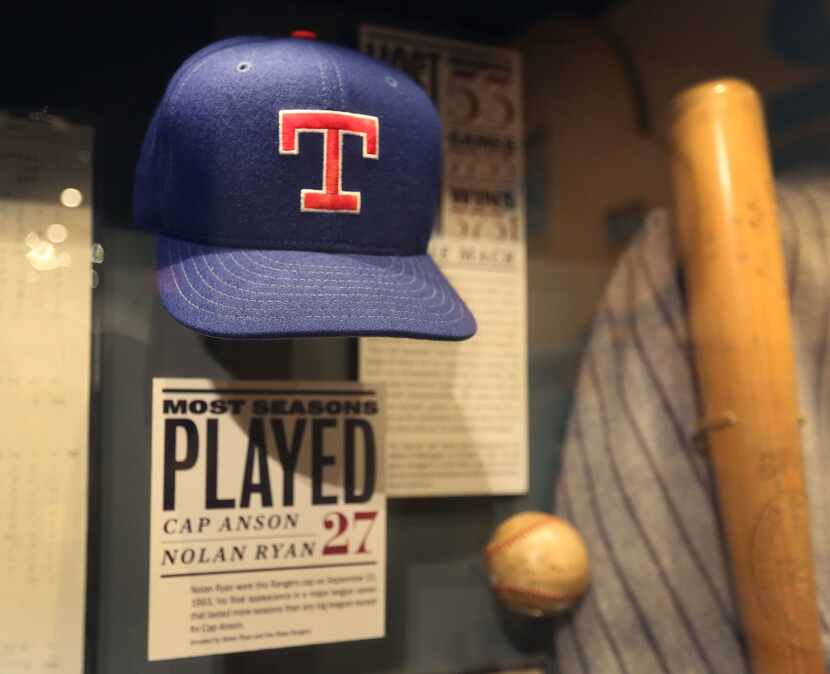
column 294, row 185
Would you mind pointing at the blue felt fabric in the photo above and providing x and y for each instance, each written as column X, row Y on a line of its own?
column 211, row 174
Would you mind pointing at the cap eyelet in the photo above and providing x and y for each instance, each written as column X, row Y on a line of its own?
column 243, row 67
column 391, row 81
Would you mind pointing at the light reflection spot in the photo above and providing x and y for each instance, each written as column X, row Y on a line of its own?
column 71, row 197
column 56, row 233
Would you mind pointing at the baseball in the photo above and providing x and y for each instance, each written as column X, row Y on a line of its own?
column 538, row 564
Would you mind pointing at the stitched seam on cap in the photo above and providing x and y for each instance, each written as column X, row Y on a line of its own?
column 334, row 271
column 310, row 281
column 170, row 103
column 392, row 314
column 333, row 64
column 302, row 245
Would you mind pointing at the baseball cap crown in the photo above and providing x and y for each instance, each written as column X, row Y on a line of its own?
column 224, row 170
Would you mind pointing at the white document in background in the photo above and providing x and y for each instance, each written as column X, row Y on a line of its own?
column 45, row 293
column 268, row 516
column 457, row 413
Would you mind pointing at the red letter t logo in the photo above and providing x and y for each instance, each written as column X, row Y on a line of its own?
column 333, row 125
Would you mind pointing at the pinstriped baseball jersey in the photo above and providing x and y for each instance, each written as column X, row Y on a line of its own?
column 636, row 487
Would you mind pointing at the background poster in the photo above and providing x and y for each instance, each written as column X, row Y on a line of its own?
column 457, row 421
column 45, row 309
column 268, row 515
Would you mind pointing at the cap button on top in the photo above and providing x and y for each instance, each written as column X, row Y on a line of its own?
column 304, row 34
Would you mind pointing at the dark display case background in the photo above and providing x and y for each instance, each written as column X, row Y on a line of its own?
column 106, row 66
column 589, row 121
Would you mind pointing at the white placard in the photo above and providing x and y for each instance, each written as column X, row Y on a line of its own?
column 457, row 419
column 268, row 516
column 45, row 311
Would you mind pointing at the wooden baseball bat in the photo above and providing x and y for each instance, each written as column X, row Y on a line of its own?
column 741, row 336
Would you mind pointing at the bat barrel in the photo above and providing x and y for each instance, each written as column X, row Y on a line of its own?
column 741, row 336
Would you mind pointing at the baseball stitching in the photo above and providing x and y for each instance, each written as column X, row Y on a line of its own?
column 492, row 549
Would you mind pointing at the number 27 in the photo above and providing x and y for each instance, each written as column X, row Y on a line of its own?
column 341, row 522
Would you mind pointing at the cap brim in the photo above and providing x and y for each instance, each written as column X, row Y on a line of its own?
column 239, row 292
